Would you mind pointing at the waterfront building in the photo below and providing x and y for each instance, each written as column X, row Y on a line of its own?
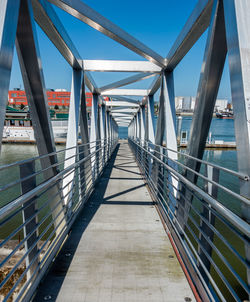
column 58, row 97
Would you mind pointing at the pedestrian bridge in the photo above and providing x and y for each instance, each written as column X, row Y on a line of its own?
column 104, row 219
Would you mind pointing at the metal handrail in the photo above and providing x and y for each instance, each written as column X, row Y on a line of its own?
column 83, row 179
column 25, row 161
column 233, row 218
column 164, row 190
column 240, row 197
column 235, row 173
column 5, row 210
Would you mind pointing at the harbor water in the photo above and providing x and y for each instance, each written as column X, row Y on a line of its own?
column 221, row 129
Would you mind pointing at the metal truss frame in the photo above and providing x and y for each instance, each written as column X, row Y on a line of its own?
column 228, row 22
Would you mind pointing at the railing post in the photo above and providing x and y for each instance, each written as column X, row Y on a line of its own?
column 212, row 173
column 29, row 210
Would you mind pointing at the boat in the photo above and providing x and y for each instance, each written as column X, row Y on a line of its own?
column 225, row 115
column 18, row 127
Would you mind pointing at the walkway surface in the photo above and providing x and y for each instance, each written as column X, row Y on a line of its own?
column 118, row 249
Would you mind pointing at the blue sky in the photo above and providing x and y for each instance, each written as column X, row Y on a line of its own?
column 155, row 23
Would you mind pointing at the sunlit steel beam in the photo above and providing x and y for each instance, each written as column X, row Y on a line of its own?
column 8, row 24
column 125, row 92
column 127, row 81
column 89, row 16
column 195, row 26
column 120, row 66
column 120, row 104
column 48, row 20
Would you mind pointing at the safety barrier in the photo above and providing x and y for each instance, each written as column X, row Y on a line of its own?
column 36, row 222
column 204, row 217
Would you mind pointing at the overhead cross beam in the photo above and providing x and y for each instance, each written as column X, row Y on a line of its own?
column 89, row 16
column 127, row 81
column 120, row 66
column 125, row 92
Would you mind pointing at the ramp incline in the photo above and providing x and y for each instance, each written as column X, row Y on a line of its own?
column 118, row 249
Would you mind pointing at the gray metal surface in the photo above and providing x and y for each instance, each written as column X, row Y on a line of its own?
column 73, row 130
column 120, row 66
column 150, row 119
column 213, row 64
column 173, row 183
column 125, row 92
column 133, row 79
column 237, row 20
column 86, row 14
column 48, row 20
column 9, row 13
column 195, row 26
column 32, row 73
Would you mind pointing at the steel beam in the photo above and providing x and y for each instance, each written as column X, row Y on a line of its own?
column 8, row 24
column 154, row 86
column 125, row 92
column 30, row 63
column 118, row 113
column 143, row 123
column 123, row 98
column 120, row 66
column 195, row 26
column 127, row 81
column 48, row 20
column 84, row 150
column 72, row 134
column 214, row 59
column 150, row 128
column 89, row 16
column 237, row 20
column 90, row 83
column 213, row 64
column 94, row 130
column 123, row 110
column 121, row 104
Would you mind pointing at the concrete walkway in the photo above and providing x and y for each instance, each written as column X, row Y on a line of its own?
column 118, row 249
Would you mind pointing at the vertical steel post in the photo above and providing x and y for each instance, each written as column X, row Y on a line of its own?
column 212, row 173
column 107, row 133
column 150, row 119
column 94, row 135
column 72, row 134
column 138, row 124
column 84, row 149
column 171, row 135
column 30, row 63
column 143, row 123
column 102, row 131
column 29, row 210
column 8, row 24
column 237, row 21
column 213, row 64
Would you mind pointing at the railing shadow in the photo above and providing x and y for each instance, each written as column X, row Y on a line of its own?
column 51, row 284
